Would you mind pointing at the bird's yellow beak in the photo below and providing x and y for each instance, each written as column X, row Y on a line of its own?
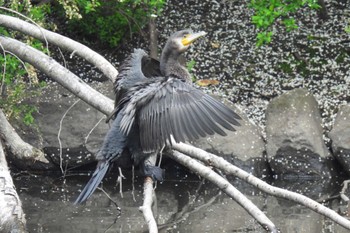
column 190, row 38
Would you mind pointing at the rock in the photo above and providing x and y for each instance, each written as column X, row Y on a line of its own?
column 340, row 136
column 82, row 128
column 295, row 146
column 244, row 147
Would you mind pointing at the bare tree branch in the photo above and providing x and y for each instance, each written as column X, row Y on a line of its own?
column 149, row 198
column 11, row 213
column 25, row 154
column 229, row 168
column 146, row 208
column 61, row 41
column 60, row 74
column 225, row 186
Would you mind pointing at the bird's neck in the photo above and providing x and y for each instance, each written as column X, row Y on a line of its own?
column 170, row 66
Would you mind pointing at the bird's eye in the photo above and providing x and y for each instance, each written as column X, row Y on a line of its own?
column 185, row 36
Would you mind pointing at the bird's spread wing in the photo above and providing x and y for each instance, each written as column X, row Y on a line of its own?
column 169, row 106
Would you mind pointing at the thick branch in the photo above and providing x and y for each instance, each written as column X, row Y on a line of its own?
column 149, row 199
column 25, row 154
column 60, row 74
column 229, row 168
column 225, row 186
column 11, row 212
column 146, row 208
column 61, row 41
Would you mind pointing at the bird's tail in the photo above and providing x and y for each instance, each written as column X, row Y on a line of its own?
column 94, row 181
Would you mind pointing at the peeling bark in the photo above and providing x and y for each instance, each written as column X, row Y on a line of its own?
column 12, row 218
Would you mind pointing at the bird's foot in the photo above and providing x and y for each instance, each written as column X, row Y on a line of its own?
column 153, row 171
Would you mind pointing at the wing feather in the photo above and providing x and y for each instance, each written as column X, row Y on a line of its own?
column 170, row 107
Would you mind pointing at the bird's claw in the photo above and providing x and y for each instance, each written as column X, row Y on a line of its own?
column 155, row 172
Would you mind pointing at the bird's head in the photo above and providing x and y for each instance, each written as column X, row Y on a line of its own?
column 175, row 46
column 181, row 40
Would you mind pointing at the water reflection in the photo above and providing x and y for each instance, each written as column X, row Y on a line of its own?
column 185, row 204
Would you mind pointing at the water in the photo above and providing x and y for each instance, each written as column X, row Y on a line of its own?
column 185, row 204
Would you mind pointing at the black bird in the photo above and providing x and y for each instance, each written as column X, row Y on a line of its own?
column 155, row 102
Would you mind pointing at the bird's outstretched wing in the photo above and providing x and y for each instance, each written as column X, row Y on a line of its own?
column 168, row 106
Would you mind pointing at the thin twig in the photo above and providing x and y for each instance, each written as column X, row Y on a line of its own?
column 127, row 17
column 133, row 183
column 109, row 197
column 59, row 135
column 343, row 191
column 88, row 135
column 160, row 156
column 64, row 60
column 20, row 60
column 72, row 54
column 120, row 181
column 4, row 72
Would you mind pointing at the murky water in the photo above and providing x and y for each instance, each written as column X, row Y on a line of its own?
column 185, row 204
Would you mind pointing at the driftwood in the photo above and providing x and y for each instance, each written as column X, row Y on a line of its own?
column 12, row 218
column 105, row 105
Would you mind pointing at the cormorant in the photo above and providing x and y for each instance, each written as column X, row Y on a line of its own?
column 155, row 102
